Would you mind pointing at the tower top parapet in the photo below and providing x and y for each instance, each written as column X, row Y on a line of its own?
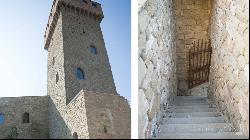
column 80, row 7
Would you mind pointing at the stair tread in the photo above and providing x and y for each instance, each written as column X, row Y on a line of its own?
column 193, row 106
column 194, row 120
column 209, row 135
column 195, row 117
column 190, row 98
column 193, row 114
column 197, row 128
column 193, row 110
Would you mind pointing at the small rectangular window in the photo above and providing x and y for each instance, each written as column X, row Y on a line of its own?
column 93, row 50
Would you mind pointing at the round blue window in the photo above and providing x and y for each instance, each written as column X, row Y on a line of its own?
column 1, row 119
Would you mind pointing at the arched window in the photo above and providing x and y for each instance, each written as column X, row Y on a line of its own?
column 80, row 74
column 93, row 49
column 75, row 136
column 1, row 118
column 26, row 117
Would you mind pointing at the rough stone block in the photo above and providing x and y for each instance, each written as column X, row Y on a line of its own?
column 142, row 70
column 143, row 21
column 143, row 107
column 241, row 16
column 154, row 108
column 242, row 28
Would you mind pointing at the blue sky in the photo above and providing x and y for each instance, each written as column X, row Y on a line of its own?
column 23, row 61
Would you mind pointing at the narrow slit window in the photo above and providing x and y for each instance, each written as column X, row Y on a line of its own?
column 53, row 61
column 57, row 77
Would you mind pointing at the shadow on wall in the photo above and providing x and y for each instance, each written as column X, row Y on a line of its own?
column 58, row 129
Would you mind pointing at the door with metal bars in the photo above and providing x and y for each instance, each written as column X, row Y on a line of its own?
column 199, row 62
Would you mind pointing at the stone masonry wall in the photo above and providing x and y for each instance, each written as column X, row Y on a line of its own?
column 56, row 89
column 13, row 109
column 99, row 116
column 229, row 73
column 76, row 119
column 69, row 110
column 157, row 63
column 192, row 23
column 64, row 119
column 80, row 32
column 108, row 116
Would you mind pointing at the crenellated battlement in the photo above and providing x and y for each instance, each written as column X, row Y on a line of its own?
column 79, row 7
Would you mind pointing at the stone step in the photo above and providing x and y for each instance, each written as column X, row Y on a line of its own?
column 193, row 114
column 177, row 100
column 191, row 106
column 194, row 120
column 218, row 135
column 190, row 98
column 196, row 128
column 188, row 110
column 189, row 102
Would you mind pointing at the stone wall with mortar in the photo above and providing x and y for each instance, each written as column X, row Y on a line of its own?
column 56, row 89
column 13, row 109
column 108, row 116
column 87, row 7
column 80, row 32
column 69, row 110
column 157, row 63
column 229, row 73
column 192, row 19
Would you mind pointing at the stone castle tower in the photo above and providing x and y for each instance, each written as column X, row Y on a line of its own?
column 83, row 101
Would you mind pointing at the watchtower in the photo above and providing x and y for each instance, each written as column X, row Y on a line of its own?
column 81, row 89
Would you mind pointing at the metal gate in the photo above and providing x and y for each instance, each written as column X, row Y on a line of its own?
column 199, row 62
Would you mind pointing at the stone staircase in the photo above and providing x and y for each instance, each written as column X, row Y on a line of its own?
column 194, row 117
